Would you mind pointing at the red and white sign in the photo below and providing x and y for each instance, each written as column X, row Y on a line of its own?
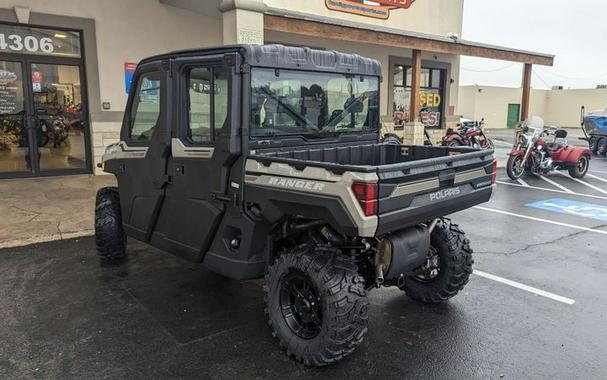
column 396, row 3
column 37, row 77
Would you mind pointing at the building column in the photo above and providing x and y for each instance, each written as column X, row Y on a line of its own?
column 526, row 91
column 243, row 21
column 416, row 68
column 413, row 132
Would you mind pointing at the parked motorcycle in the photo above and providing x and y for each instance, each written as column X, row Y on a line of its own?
column 533, row 154
column 470, row 134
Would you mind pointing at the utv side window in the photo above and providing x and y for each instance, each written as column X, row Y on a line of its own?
column 145, row 111
column 207, row 103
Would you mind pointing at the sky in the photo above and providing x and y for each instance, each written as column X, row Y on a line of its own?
column 575, row 31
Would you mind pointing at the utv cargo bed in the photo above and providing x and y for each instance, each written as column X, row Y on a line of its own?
column 414, row 182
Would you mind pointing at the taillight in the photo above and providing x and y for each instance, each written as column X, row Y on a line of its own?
column 494, row 172
column 366, row 194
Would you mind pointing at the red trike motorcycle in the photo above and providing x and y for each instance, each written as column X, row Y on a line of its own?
column 469, row 133
column 533, row 154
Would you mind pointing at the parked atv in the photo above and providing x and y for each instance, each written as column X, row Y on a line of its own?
column 539, row 150
column 303, row 196
column 594, row 126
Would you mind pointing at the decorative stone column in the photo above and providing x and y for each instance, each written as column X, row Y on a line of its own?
column 243, row 21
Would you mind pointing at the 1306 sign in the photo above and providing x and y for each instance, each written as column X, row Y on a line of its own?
column 29, row 44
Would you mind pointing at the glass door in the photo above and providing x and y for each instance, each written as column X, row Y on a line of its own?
column 57, row 116
column 15, row 152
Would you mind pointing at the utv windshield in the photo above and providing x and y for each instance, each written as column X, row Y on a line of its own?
column 288, row 102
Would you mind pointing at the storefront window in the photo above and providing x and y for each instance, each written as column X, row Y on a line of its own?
column 431, row 95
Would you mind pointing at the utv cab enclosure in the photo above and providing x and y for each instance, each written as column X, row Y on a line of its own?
column 265, row 161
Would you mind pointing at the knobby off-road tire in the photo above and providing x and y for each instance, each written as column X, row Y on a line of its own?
column 109, row 234
column 593, row 145
column 580, row 170
column 341, row 303
column 452, row 247
column 601, row 147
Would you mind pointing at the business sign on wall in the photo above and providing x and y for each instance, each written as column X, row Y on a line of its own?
column 376, row 8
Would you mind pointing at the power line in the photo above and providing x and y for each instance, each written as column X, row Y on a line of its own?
column 540, row 78
column 573, row 78
column 489, row 71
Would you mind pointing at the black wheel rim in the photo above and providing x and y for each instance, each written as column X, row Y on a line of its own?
column 517, row 166
column 300, row 304
column 431, row 269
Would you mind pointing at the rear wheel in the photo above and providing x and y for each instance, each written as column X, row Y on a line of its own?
column 601, row 146
column 514, row 167
column 316, row 304
column 581, row 168
column 109, row 234
column 448, row 266
column 454, row 144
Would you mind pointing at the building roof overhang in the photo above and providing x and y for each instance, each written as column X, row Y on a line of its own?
column 280, row 20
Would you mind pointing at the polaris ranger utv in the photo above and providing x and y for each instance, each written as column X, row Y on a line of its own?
column 265, row 161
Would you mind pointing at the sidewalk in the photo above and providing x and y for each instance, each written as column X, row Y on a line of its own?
column 34, row 210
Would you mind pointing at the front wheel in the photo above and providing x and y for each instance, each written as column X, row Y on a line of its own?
column 580, row 170
column 448, row 265
column 110, row 238
column 515, row 168
column 316, row 304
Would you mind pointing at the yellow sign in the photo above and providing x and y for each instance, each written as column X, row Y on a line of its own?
column 429, row 99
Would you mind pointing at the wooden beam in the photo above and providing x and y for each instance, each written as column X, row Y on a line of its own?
column 416, row 70
column 346, row 33
column 527, row 70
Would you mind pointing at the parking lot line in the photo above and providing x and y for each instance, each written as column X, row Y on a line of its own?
column 524, row 287
column 596, row 177
column 553, row 190
column 586, row 184
column 598, row 171
column 541, row 220
column 556, row 184
column 522, row 182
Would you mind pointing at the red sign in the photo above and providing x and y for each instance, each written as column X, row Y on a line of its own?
column 396, row 3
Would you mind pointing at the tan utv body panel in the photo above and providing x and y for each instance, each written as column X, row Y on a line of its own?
column 121, row 150
column 314, row 180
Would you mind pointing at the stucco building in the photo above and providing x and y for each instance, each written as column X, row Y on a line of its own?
column 66, row 65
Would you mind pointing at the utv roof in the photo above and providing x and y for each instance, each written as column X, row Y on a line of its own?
column 286, row 57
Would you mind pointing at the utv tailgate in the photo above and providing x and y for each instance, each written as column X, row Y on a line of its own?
column 424, row 189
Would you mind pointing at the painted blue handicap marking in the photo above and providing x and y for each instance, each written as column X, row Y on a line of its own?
column 565, row 206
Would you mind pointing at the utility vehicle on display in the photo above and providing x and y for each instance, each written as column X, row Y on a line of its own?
column 594, row 126
column 265, row 161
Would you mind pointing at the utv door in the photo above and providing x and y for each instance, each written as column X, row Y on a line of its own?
column 200, row 163
column 145, row 135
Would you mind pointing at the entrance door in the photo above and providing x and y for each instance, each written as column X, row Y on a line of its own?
column 15, row 151
column 42, row 120
column 514, row 114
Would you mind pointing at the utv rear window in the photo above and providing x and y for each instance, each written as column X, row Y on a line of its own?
column 145, row 110
column 288, row 102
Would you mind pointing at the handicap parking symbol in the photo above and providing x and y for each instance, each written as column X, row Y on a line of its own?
column 565, row 206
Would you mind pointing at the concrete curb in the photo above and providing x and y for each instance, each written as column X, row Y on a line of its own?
column 44, row 238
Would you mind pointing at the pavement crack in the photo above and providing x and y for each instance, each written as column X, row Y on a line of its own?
column 59, row 230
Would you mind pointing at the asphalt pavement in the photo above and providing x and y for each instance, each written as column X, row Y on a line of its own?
column 536, row 306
